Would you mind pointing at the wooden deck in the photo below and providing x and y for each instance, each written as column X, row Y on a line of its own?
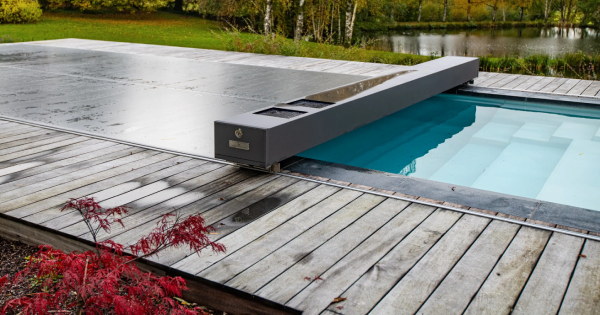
column 539, row 84
column 295, row 244
column 301, row 243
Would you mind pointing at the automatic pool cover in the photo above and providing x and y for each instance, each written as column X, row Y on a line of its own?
column 267, row 136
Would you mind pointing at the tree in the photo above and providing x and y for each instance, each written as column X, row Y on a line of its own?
column 106, row 280
column 268, row 18
column 445, row 9
column 299, row 21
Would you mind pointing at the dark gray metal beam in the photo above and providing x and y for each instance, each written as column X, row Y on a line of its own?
column 264, row 137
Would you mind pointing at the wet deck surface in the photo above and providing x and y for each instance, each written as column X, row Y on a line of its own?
column 152, row 100
column 299, row 243
column 293, row 242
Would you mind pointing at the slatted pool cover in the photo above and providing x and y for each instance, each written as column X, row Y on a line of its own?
column 164, row 102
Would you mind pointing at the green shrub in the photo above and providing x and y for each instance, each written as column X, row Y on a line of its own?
column 19, row 11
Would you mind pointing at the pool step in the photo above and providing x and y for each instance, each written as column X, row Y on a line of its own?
column 521, row 169
column 576, row 178
column 576, row 131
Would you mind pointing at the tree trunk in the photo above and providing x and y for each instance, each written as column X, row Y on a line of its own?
column 339, row 25
column 520, row 14
column 300, row 21
column 445, row 9
column 420, row 6
column 350, row 16
column 494, row 14
column 546, row 9
column 268, row 12
column 178, row 5
column 392, row 15
column 469, row 10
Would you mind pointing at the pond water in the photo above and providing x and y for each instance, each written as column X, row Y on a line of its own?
column 496, row 42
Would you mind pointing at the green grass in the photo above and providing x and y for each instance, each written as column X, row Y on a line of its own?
column 158, row 28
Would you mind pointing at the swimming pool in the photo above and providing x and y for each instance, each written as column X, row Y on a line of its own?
column 539, row 151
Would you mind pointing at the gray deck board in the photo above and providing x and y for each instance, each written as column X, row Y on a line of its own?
column 410, row 286
column 501, row 289
column 548, row 282
column 300, row 243
column 583, row 293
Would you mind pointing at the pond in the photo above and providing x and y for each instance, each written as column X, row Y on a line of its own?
column 553, row 41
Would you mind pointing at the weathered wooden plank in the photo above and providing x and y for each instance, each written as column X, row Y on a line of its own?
column 55, row 145
column 494, row 79
column 566, row 86
column 318, row 294
column 21, row 136
column 545, row 81
column 548, row 283
column 583, row 294
column 361, row 217
column 579, row 87
column 518, row 81
column 30, row 184
column 23, row 170
column 500, row 291
column 505, row 81
column 592, row 89
column 50, row 208
column 242, row 218
column 58, row 184
column 138, row 188
column 202, row 199
column 454, row 294
column 47, row 140
column 256, row 229
column 410, row 290
column 55, row 155
column 484, row 76
column 49, row 198
column 12, row 128
column 554, row 85
column 292, row 281
column 196, row 184
column 528, row 83
column 239, row 197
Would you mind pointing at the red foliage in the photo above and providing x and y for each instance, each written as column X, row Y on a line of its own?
column 106, row 281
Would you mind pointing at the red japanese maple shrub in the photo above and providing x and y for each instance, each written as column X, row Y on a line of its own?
column 106, row 281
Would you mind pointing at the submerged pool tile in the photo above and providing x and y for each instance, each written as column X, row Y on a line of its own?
column 576, row 179
column 579, row 131
column 497, row 131
column 535, row 131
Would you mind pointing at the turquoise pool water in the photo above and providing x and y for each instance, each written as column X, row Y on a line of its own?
column 545, row 152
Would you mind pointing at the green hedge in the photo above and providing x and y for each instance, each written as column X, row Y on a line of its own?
column 19, row 11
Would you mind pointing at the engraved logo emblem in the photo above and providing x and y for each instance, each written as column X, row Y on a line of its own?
column 239, row 133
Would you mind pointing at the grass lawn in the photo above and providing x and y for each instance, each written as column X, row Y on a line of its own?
column 158, row 28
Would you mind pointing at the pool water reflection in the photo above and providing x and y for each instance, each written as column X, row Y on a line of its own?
column 537, row 151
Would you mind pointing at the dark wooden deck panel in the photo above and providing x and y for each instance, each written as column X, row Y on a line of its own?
column 300, row 243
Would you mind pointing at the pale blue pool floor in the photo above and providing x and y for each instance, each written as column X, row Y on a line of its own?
column 545, row 152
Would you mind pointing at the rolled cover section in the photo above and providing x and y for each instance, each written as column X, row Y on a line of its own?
column 273, row 139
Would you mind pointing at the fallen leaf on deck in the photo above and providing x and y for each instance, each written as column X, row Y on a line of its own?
column 221, row 199
column 338, row 299
column 307, row 278
column 583, row 256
